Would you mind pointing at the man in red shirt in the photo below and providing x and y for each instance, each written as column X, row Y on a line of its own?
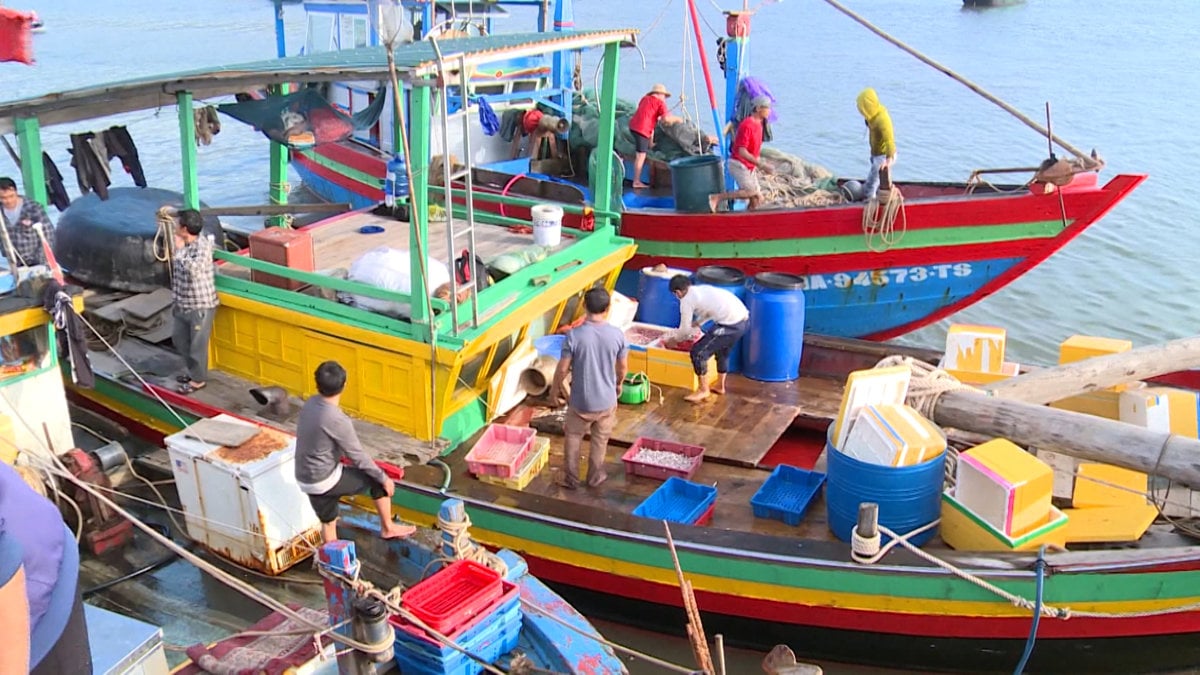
column 651, row 108
column 744, row 162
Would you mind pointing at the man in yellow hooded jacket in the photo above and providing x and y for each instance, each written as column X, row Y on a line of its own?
column 883, row 143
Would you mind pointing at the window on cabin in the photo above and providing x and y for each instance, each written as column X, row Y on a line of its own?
column 361, row 35
column 521, row 86
column 320, row 34
column 488, row 89
column 24, row 352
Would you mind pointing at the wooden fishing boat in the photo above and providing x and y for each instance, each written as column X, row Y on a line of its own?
column 954, row 244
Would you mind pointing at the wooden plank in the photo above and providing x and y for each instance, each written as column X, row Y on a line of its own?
column 276, row 209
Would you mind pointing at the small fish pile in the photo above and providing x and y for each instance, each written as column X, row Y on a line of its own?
column 644, row 335
column 664, row 458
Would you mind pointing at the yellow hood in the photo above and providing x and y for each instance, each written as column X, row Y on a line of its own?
column 868, row 103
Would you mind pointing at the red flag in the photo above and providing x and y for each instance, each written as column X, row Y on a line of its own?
column 16, row 36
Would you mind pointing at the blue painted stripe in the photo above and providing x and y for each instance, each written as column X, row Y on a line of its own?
column 330, row 192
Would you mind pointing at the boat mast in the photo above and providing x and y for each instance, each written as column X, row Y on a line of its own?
column 563, row 63
column 736, row 45
column 712, row 96
column 280, row 41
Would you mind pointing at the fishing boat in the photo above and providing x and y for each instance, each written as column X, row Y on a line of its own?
column 951, row 244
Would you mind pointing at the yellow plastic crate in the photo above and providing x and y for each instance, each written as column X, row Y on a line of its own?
column 673, row 368
column 529, row 469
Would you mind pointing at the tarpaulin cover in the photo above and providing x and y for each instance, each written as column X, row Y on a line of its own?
column 16, row 36
column 303, row 119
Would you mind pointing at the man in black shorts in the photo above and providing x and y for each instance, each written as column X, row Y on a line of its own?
column 325, row 435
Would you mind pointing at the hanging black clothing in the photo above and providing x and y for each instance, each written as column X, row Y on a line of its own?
column 90, row 170
column 56, row 192
column 120, row 145
column 510, row 124
column 69, row 330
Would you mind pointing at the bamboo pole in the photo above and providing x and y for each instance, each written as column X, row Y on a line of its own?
column 1101, row 372
column 695, row 629
column 1025, row 119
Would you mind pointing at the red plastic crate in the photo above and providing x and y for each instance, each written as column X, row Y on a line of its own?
column 638, row 468
column 509, row 592
column 500, row 450
column 452, row 596
column 706, row 517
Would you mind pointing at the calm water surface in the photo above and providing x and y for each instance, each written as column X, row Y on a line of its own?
column 1120, row 77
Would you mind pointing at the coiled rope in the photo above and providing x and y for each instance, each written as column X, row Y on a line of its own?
column 879, row 221
column 465, row 547
column 164, row 237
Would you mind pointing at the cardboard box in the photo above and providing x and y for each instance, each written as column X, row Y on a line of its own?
column 1005, row 486
column 878, row 386
column 976, row 349
column 894, row 435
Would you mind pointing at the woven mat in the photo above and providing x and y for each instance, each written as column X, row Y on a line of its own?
column 258, row 654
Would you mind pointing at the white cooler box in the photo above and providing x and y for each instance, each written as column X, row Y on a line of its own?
column 243, row 503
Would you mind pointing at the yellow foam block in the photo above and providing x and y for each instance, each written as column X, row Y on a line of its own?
column 972, row 348
column 1108, row 524
column 1104, row 404
column 1005, row 486
column 673, row 368
column 1182, row 406
column 878, row 386
column 963, row 530
column 894, row 435
column 1080, row 347
column 1089, row 493
column 1144, row 409
column 1007, row 369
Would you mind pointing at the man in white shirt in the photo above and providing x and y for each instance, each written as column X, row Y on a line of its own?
column 698, row 305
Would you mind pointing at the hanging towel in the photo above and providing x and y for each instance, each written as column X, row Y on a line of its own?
column 72, row 338
column 55, row 190
column 487, row 117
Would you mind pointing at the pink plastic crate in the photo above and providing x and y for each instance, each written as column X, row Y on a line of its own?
column 634, row 467
column 449, row 599
column 500, row 450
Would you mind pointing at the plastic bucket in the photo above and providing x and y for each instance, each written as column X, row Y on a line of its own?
column 549, row 345
column 733, row 280
column 908, row 496
column 656, row 304
column 547, row 224
column 773, row 344
column 693, row 179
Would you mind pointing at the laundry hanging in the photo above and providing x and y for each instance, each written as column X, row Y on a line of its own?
column 56, row 192
column 303, row 119
column 208, row 124
column 91, row 152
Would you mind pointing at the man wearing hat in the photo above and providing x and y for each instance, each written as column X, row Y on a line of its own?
column 745, row 164
column 651, row 108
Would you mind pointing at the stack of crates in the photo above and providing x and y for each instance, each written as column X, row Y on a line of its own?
column 529, row 468
column 469, row 604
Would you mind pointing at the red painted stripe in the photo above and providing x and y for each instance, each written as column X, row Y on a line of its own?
column 354, row 157
column 339, row 179
column 858, row 620
column 145, row 432
column 840, row 221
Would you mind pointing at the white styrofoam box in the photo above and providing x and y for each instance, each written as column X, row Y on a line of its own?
column 877, row 386
column 974, row 348
column 1145, row 409
column 621, row 310
column 893, row 435
column 252, row 512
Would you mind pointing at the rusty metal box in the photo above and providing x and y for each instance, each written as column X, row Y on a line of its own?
column 282, row 246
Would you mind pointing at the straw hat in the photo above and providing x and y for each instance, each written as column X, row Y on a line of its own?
column 660, row 89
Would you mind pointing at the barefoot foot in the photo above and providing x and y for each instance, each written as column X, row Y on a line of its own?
column 712, row 203
column 697, row 397
column 638, row 185
column 718, row 390
column 397, row 531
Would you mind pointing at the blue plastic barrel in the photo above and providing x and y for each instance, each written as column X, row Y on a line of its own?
column 772, row 346
column 656, row 304
column 733, row 280
column 908, row 496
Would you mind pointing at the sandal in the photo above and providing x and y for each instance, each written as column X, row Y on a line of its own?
column 183, row 379
column 187, row 388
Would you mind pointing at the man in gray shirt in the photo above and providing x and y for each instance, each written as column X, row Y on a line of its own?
column 324, row 435
column 596, row 356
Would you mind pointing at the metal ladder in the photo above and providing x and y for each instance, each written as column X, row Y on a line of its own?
column 448, row 178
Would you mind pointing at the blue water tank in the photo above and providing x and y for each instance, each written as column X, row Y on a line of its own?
column 908, row 496
column 733, row 280
column 656, row 304
column 772, row 346
column 395, row 183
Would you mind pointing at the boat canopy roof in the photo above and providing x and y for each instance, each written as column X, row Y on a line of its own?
column 413, row 60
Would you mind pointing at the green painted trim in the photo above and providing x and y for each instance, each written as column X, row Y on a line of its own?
column 337, row 167
column 54, row 363
column 855, row 243
column 463, row 423
column 1011, row 542
column 187, row 147
column 141, row 402
column 278, row 189
column 312, row 278
column 602, row 189
column 418, row 238
column 33, row 172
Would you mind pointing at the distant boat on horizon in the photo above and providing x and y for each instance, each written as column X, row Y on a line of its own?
column 991, row 3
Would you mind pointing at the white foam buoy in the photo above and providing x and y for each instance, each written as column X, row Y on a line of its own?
column 547, row 224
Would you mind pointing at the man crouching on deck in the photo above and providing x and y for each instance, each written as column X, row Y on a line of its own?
column 324, row 435
column 697, row 305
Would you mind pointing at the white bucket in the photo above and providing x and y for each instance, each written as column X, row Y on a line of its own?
column 547, row 224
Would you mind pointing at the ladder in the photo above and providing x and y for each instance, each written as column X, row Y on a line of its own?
column 449, row 175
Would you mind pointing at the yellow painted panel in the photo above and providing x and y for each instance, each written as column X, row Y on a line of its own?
column 1107, row 524
column 1089, row 493
column 1104, row 404
column 637, row 362
column 673, row 368
column 15, row 322
column 978, row 349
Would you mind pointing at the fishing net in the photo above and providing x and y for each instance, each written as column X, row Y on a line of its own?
column 671, row 141
column 303, row 119
column 797, row 183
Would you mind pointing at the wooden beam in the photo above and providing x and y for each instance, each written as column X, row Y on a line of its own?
column 1101, row 372
column 276, row 209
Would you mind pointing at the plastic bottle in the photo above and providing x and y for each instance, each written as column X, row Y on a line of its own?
column 395, row 185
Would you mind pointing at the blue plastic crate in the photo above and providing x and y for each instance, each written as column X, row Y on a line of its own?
column 496, row 622
column 459, row 664
column 786, row 493
column 489, row 640
column 678, row 501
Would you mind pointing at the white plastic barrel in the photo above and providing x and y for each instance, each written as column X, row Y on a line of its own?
column 547, row 224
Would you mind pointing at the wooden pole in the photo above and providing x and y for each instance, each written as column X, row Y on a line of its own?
column 1025, row 119
column 1101, row 372
column 695, row 629
column 1076, row 434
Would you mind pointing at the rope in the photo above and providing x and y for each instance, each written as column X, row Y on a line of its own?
column 928, row 383
column 879, row 222
column 465, row 548
column 164, row 237
column 1040, row 568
